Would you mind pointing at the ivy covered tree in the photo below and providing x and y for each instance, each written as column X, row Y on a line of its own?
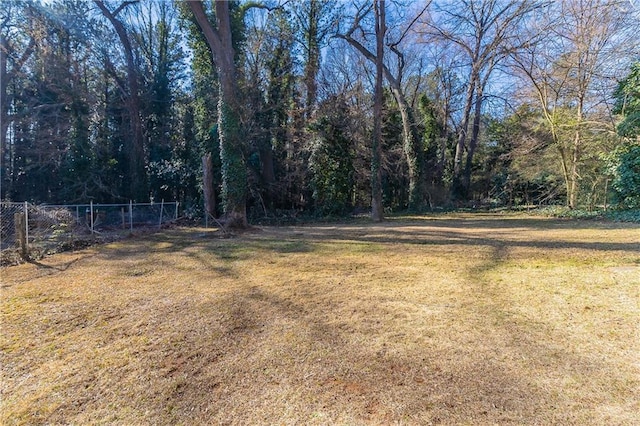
column 220, row 40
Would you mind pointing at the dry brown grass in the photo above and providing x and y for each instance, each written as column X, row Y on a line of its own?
column 454, row 319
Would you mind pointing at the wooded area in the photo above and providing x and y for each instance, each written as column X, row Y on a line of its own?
column 498, row 103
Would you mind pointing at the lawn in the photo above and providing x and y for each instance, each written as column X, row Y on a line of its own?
column 448, row 319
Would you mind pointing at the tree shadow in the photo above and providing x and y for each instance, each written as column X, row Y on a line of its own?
column 60, row 268
column 455, row 232
column 342, row 365
column 376, row 383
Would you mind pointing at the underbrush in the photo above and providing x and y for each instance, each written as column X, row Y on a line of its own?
column 46, row 247
column 616, row 215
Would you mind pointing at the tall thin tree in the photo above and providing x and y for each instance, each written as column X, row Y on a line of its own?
column 377, row 213
column 136, row 150
column 412, row 146
column 486, row 32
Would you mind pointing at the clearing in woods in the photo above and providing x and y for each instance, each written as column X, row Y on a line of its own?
column 450, row 319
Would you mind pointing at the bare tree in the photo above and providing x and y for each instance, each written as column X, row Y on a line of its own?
column 412, row 145
column 377, row 213
column 486, row 32
column 587, row 41
column 315, row 19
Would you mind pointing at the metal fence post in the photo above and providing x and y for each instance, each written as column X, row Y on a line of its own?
column 176, row 216
column 21, row 223
column 161, row 208
column 131, row 216
column 26, row 227
column 91, row 213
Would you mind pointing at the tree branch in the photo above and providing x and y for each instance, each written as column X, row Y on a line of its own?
column 259, row 5
column 111, row 69
column 210, row 33
column 406, row 31
column 17, row 65
column 360, row 14
column 122, row 6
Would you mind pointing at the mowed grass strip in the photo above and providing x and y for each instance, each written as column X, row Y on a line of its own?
column 451, row 319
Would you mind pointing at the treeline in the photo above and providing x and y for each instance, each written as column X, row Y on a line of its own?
column 483, row 103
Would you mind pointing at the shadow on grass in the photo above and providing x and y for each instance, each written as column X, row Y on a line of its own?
column 499, row 235
column 335, row 372
column 445, row 232
column 60, row 268
column 215, row 360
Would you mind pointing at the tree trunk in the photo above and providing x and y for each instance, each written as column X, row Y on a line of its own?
column 136, row 149
column 207, row 186
column 572, row 194
column 412, row 151
column 443, row 139
column 4, row 107
column 473, row 142
column 313, row 58
column 377, row 213
column 457, row 185
column 234, row 172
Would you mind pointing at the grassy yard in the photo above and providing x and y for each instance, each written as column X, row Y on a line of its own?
column 450, row 319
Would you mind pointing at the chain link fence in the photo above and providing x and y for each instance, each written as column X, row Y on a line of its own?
column 31, row 231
